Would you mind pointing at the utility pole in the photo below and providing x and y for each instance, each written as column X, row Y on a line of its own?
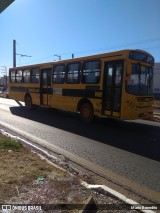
column 14, row 53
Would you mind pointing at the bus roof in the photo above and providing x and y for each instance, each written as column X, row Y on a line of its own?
column 97, row 56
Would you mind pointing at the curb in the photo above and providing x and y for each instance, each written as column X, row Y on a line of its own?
column 105, row 189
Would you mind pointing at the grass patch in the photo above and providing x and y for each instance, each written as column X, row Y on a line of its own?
column 10, row 144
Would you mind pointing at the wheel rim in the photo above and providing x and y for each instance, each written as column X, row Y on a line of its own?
column 86, row 113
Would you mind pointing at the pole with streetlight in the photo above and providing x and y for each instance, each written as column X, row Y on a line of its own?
column 59, row 56
column 15, row 53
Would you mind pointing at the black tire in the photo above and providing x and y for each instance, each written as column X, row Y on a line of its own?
column 28, row 102
column 86, row 112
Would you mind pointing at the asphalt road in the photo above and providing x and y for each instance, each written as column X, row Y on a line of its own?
column 128, row 152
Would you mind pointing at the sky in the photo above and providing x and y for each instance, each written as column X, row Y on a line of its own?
column 45, row 28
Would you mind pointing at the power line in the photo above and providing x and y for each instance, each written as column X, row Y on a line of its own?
column 113, row 47
column 107, row 48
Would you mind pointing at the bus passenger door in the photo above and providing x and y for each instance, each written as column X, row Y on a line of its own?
column 46, row 89
column 112, row 88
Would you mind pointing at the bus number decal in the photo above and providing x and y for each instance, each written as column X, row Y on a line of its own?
column 34, row 90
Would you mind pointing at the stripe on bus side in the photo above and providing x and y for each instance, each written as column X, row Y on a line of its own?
column 25, row 89
column 86, row 93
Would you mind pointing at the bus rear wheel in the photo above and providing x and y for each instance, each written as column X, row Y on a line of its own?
column 28, row 102
column 86, row 112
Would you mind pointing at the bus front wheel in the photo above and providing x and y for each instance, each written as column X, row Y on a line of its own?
column 28, row 102
column 86, row 112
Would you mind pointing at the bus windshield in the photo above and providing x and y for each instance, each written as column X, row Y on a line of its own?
column 134, row 55
column 140, row 80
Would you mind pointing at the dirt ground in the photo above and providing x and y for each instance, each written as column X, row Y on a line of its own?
column 27, row 178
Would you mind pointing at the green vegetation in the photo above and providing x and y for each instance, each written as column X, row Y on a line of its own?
column 6, row 143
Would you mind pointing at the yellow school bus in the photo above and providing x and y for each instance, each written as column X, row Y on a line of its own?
column 116, row 85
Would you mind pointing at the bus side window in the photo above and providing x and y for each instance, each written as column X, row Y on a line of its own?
column 59, row 74
column 13, row 76
column 90, row 78
column 26, row 76
column 58, row 79
column 91, row 72
column 19, row 76
column 73, row 73
column 35, row 75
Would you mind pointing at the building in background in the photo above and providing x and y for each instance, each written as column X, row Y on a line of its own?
column 4, row 81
